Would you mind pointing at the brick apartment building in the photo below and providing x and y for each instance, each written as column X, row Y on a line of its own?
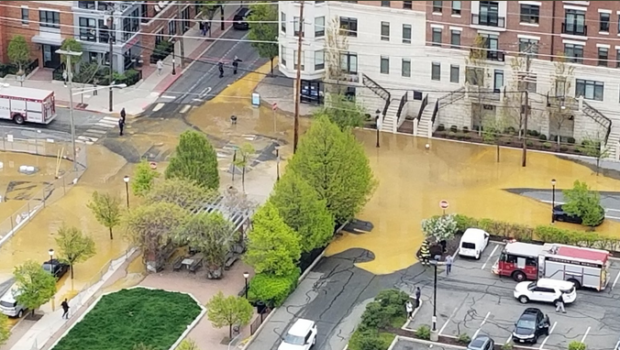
column 137, row 26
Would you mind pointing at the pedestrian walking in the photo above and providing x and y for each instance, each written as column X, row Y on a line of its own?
column 425, row 254
column 160, row 66
column 64, row 77
column 121, row 125
column 65, row 309
column 95, row 82
column 418, row 294
column 235, row 64
column 559, row 305
column 123, row 115
column 409, row 307
column 203, row 31
column 449, row 261
column 220, row 67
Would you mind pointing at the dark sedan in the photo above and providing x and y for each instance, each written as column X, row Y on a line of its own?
column 240, row 18
column 560, row 215
column 56, row 268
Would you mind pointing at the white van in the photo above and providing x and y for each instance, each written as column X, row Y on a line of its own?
column 8, row 304
column 473, row 243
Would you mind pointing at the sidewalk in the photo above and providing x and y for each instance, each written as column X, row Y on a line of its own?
column 135, row 99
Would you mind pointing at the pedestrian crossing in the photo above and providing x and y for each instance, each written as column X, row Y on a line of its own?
column 98, row 130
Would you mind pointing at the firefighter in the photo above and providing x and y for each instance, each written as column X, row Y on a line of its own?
column 425, row 253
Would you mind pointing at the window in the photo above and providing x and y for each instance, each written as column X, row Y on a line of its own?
column 436, row 37
column 282, row 55
column 530, row 14
column 144, row 10
column 618, row 58
column 589, row 89
column 88, row 29
column 406, row 68
column 528, row 81
column 603, row 56
column 50, row 19
column 283, row 22
column 454, row 73
column 574, row 53
column 349, row 25
column 528, row 46
column 474, row 76
column 319, row 60
column 185, row 16
column 604, row 22
column 131, row 24
column 437, row 5
column 385, row 3
column 25, row 15
column 436, row 71
column 407, row 5
column 348, row 63
column 385, row 65
column 385, row 31
column 455, row 39
column 560, row 86
column 489, row 14
column 297, row 27
column 406, row 33
column 295, row 60
column 574, row 23
column 319, row 27
column 619, row 23
column 159, row 37
column 456, row 7
column 172, row 27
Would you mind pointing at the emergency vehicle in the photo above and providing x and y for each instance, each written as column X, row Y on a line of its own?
column 22, row 104
column 584, row 267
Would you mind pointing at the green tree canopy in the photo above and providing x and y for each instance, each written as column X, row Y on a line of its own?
column 343, row 112
column 302, row 210
column 70, row 44
column 19, row 51
column 440, row 227
column 582, row 202
column 5, row 328
column 211, row 234
column 143, row 178
column 243, row 157
column 264, row 29
column 229, row 311
column 596, row 148
column 107, row 210
column 35, row 285
column 333, row 162
column 74, row 246
column 208, row 8
column 194, row 159
column 272, row 246
column 187, row 194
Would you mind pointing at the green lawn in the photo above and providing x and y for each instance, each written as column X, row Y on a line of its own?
column 132, row 316
column 356, row 340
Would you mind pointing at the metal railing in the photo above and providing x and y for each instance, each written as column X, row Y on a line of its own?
column 422, row 107
column 379, row 90
column 488, row 20
column 452, row 97
column 401, row 106
column 598, row 117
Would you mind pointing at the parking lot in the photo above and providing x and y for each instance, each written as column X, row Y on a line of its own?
column 472, row 301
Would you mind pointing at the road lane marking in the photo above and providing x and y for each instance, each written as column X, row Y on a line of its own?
column 96, row 131
column 205, row 92
column 197, row 99
column 168, row 97
column 185, row 109
column 158, row 107
column 583, row 340
column 456, row 309
column 550, row 331
column 481, row 325
column 489, row 258
column 615, row 281
column 509, row 339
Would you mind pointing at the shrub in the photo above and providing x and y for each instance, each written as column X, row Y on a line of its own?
column 546, row 145
column 576, row 345
column 533, row 133
column 370, row 339
column 510, row 130
column 571, row 140
column 577, row 150
column 542, row 137
column 454, row 129
column 440, row 227
column 451, row 135
column 563, row 236
column 463, row 338
column 507, row 346
column 464, row 222
column 272, row 290
column 466, row 137
column 388, row 305
column 563, row 148
column 529, row 143
column 441, row 127
column 465, row 129
column 585, row 143
column 423, row 332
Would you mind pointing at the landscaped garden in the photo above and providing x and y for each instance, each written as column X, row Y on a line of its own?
column 122, row 320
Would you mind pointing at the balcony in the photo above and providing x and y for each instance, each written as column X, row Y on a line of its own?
column 574, row 29
column 493, row 55
column 488, row 20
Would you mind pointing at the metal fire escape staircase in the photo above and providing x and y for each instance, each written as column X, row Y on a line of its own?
column 388, row 114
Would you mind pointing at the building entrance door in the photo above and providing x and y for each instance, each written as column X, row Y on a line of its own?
column 50, row 58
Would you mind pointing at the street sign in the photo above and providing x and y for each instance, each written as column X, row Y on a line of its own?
column 274, row 106
column 443, row 205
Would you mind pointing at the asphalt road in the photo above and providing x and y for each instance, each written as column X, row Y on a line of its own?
column 201, row 81
column 411, row 344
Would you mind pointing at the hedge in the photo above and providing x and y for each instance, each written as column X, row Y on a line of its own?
column 272, row 290
column 543, row 233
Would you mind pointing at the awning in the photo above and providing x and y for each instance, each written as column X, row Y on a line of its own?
column 46, row 40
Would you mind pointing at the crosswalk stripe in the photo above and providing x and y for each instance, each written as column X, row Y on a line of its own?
column 96, row 131
column 112, row 119
column 106, row 124
column 185, row 109
column 85, row 142
column 93, row 139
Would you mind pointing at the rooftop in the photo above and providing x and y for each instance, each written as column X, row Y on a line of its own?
column 26, row 93
column 526, row 249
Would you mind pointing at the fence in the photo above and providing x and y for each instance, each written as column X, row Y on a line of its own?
column 24, row 140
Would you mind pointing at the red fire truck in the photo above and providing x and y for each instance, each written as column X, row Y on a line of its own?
column 584, row 267
column 22, row 104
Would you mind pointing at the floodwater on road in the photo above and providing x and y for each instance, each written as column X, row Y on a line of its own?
column 413, row 180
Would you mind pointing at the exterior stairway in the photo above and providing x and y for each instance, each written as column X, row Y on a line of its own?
column 385, row 95
column 390, row 119
column 602, row 120
column 424, row 125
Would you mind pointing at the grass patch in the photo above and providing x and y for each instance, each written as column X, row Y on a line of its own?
column 120, row 320
column 355, row 343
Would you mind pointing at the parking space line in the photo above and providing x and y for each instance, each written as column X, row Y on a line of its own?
column 617, row 345
column 550, row 331
column 481, row 325
column 509, row 339
column 583, row 340
column 489, row 258
column 456, row 309
column 615, row 281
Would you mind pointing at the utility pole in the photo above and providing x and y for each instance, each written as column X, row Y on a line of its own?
column 298, row 78
column 68, row 54
column 526, row 105
column 180, row 33
column 111, row 56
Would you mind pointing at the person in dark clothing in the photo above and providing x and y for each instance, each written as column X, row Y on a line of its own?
column 123, row 114
column 121, row 125
column 65, row 309
column 418, row 294
column 235, row 64
column 220, row 67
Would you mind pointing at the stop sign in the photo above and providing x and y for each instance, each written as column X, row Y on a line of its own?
column 443, row 204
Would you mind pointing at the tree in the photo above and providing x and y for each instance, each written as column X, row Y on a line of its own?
column 522, row 80
column 211, row 234
column 186, row 194
column 19, row 52
column 70, row 44
column 194, row 159
column 35, row 285
column 493, row 131
column 345, row 113
column 107, row 210
column 597, row 148
column 208, row 9
column 151, row 226
column 272, row 246
column 476, row 72
column 229, row 311
column 188, row 344
column 143, row 178
column 334, row 163
column 242, row 159
column 441, row 228
column 336, row 42
column 580, row 201
column 264, row 30
column 74, row 246
column 559, row 106
column 301, row 209
column 5, row 328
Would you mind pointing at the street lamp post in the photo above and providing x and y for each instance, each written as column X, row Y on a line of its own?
column 434, row 262
column 174, row 65
column 51, row 254
column 69, row 54
column 277, row 163
column 246, row 275
column 378, row 122
column 126, row 179
column 552, row 201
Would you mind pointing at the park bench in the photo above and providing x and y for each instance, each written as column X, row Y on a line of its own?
column 178, row 263
column 195, row 265
column 231, row 258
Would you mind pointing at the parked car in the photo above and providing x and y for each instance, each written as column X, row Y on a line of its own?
column 240, row 18
column 481, row 342
column 560, row 215
column 301, row 336
column 56, row 268
column 531, row 325
column 9, row 306
column 473, row 243
column 545, row 290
